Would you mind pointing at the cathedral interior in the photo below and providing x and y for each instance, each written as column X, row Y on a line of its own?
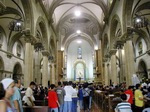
column 101, row 41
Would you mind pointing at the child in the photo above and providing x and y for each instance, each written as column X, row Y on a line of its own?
column 124, row 106
column 53, row 99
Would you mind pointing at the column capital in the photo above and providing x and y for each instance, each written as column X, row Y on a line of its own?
column 30, row 39
column 118, row 44
column 128, row 34
column 112, row 52
column 45, row 53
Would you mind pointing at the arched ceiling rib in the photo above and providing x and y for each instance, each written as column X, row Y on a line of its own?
column 90, row 22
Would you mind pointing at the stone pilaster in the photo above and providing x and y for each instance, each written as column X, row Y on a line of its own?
column 53, row 77
column 37, row 68
column 59, row 64
column 45, row 69
column 113, row 66
column 106, row 78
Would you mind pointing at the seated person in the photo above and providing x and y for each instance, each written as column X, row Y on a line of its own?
column 124, row 106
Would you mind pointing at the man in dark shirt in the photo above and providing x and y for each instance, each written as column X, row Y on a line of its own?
column 60, row 93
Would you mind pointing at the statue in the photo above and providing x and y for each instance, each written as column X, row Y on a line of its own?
column 135, row 80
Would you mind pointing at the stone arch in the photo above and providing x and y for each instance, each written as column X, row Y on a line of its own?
column 1, row 67
column 75, row 71
column 127, row 14
column 17, row 71
column 3, row 35
column 142, row 69
column 12, row 41
column 42, row 26
column 67, row 43
column 29, row 19
column 114, row 27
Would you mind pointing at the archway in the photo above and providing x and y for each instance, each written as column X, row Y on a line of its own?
column 79, row 70
column 1, row 68
column 17, row 71
column 142, row 70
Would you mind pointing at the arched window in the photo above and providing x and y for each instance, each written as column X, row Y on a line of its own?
column 79, row 52
column 1, row 39
column 18, row 50
column 140, row 47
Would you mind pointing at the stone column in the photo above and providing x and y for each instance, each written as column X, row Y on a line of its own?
column 53, row 73
column 28, row 77
column 106, row 78
column 59, row 65
column 37, row 68
column 119, row 45
column 45, row 69
column 129, row 61
column 113, row 66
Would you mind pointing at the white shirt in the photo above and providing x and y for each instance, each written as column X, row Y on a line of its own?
column 29, row 93
column 69, row 92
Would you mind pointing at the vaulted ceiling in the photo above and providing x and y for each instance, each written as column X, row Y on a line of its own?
column 90, row 22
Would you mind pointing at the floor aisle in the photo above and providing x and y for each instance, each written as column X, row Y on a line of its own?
column 93, row 109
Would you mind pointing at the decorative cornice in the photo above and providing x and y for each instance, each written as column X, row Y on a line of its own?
column 9, row 55
column 5, row 71
column 148, row 52
column 112, row 52
column 45, row 53
column 118, row 44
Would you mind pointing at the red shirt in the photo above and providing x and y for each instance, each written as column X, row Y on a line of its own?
column 52, row 99
column 129, row 94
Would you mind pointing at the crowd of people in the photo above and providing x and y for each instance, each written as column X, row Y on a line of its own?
column 66, row 96
column 129, row 99
column 61, row 98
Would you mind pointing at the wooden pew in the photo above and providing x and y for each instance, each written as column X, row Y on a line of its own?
column 35, row 109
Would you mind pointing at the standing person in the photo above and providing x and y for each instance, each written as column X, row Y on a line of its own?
column 29, row 98
column 53, row 103
column 124, row 106
column 91, row 94
column 68, row 97
column 8, row 85
column 16, row 97
column 139, row 99
column 2, row 102
column 86, row 93
column 60, row 93
column 80, row 95
column 74, row 99
column 130, row 96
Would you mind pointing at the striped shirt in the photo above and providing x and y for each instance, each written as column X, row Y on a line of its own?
column 123, row 107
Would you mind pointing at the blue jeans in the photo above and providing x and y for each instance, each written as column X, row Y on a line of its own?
column 67, row 106
column 53, row 110
column 81, row 104
column 61, row 108
column 90, row 102
column 74, row 104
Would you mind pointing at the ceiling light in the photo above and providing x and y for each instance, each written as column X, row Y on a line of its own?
column 77, row 13
column 96, row 48
column 79, row 41
column 138, row 20
column 62, row 48
column 78, row 31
